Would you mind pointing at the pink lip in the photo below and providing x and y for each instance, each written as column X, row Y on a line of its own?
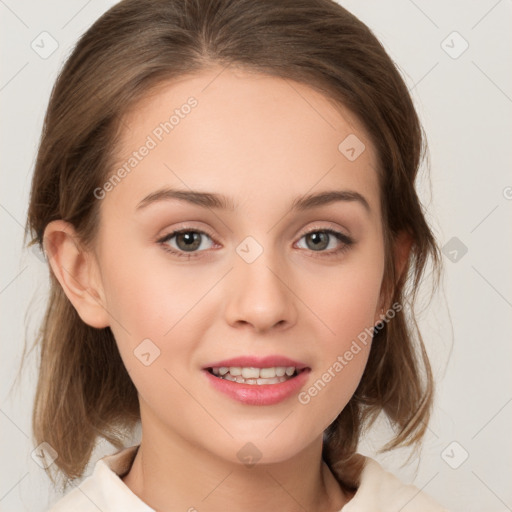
column 265, row 394
column 257, row 362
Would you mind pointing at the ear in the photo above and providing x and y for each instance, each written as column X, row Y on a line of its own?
column 401, row 251
column 77, row 271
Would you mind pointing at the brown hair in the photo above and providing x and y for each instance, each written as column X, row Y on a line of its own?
column 84, row 391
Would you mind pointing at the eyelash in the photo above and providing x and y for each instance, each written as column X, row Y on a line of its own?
column 347, row 242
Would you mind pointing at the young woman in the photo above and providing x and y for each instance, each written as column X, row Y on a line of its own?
column 225, row 194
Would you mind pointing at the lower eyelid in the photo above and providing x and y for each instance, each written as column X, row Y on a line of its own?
column 166, row 238
column 346, row 244
column 341, row 237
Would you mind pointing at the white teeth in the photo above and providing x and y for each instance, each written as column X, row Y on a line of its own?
column 241, row 380
column 267, row 373
column 251, row 375
column 275, row 380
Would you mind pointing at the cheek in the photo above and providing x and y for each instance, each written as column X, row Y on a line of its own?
column 342, row 350
column 136, row 300
column 348, row 298
column 332, row 386
column 150, row 299
column 346, row 303
column 146, row 306
column 146, row 294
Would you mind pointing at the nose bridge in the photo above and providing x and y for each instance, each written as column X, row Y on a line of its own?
column 259, row 293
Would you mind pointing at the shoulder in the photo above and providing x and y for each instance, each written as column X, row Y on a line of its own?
column 104, row 490
column 381, row 491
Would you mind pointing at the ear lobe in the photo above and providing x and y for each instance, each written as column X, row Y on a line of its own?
column 76, row 270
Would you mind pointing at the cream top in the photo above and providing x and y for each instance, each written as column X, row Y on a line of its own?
column 378, row 491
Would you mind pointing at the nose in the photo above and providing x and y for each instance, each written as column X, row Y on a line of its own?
column 260, row 295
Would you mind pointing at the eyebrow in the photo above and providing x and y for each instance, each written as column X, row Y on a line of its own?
column 219, row 201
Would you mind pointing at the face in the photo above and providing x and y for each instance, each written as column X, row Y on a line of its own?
column 270, row 279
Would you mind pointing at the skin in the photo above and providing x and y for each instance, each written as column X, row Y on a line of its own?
column 262, row 141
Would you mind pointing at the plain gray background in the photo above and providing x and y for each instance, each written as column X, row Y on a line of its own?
column 464, row 97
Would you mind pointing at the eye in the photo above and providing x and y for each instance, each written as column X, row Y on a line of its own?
column 318, row 240
column 186, row 241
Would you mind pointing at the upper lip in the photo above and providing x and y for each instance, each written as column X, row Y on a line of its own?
column 257, row 362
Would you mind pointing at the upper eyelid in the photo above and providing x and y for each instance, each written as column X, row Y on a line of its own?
column 313, row 229
column 177, row 231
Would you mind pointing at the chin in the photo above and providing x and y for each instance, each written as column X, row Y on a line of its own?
column 266, row 449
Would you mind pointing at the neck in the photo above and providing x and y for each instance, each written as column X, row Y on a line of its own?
column 170, row 474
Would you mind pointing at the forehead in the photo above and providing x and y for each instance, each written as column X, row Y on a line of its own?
column 232, row 131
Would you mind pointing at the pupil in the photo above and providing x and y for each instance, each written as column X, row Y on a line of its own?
column 191, row 239
column 317, row 237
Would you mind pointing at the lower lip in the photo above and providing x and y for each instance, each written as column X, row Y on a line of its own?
column 256, row 394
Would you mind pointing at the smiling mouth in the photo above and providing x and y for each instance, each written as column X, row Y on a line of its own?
column 255, row 376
